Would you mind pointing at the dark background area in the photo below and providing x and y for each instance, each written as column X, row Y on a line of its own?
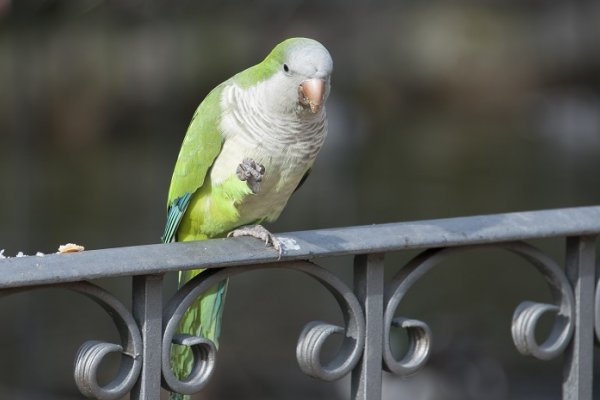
column 437, row 110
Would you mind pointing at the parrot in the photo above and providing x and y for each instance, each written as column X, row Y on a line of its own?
column 250, row 144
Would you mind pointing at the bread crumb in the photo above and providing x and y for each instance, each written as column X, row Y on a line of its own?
column 70, row 248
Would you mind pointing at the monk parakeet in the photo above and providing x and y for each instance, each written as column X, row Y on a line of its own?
column 250, row 144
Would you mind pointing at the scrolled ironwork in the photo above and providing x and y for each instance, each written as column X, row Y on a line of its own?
column 524, row 322
column 525, row 316
column 92, row 352
column 528, row 313
column 87, row 364
column 315, row 333
column 204, row 351
column 310, row 342
column 419, row 345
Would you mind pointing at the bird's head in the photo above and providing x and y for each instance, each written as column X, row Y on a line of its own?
column 301, row 75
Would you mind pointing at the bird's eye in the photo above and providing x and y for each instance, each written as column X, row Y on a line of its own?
column 286, row 68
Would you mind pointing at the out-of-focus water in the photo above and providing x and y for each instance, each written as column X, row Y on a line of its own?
column 437, row 110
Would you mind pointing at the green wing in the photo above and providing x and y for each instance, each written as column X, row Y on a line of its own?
column 200, row 147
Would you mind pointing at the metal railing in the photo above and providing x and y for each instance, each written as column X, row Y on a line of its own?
column 368, row 308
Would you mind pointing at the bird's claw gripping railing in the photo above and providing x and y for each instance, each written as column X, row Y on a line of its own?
column 368, row 309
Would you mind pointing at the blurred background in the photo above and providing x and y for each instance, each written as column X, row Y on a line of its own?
column 437, row 109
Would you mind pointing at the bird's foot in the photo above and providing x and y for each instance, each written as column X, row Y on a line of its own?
column 252, row 172
column 259, row 232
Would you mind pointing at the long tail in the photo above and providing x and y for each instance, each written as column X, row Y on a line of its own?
column 203, row 318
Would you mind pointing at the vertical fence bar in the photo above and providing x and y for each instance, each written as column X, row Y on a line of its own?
column 368, row 285
column 579, row 356
column 147, row 311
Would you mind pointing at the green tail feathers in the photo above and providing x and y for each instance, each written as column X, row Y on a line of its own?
column 203, row 318
column 178, row 396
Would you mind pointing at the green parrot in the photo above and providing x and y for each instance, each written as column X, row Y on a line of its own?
column 250, row 144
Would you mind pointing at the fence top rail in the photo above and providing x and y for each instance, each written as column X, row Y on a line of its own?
column 160, row 258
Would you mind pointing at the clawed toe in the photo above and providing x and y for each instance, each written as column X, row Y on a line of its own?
column 252, row 172
column 259, row 232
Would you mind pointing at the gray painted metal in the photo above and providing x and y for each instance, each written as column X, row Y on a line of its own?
column 579, row 360
column 91, row 353
column 160, row 258
column 369, row 309
column 147, row 308
column 369, row 286
column 310, row 342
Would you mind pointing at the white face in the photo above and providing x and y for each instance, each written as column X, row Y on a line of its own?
column 309, row 60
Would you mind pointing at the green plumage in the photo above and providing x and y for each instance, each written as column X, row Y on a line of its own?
column 199, row 149
column 207, row 198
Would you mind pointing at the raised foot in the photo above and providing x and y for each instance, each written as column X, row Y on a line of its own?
column 252, row 172
column 259, row 232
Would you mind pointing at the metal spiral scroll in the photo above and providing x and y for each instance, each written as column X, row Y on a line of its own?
column 525, row 316
column 91, row 353
column 310, row 342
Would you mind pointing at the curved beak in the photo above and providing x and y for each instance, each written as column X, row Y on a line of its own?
column 311, row 93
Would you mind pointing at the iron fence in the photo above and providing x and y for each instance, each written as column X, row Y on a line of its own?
column 368, row 308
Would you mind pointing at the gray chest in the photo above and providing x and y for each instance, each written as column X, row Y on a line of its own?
column 285, row 145
column 284, row 168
